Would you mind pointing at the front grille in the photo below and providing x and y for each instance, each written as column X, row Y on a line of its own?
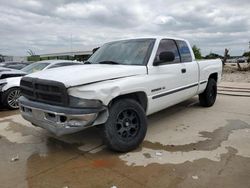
column 50, row 92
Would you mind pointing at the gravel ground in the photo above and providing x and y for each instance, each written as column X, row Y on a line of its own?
column 231, row 73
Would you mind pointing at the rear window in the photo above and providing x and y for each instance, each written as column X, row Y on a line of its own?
column 184, row 51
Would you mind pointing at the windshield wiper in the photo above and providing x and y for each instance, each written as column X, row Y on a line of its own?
column 109, row 62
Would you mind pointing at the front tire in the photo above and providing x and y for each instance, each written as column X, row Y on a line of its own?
column 126, row 126
column 10, row 99
column 208, row 97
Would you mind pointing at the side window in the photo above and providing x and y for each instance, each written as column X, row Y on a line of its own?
column 170, row 46
column 184, row 51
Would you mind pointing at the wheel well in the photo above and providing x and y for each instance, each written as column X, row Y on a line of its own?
column 15, row 87
column 4, row 94
column 214, row 76
column 140, row 97
column 6, row 91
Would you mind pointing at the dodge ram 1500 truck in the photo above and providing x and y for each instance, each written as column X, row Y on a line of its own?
column 119, row 85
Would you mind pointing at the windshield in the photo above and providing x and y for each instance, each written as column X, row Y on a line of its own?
column 34, row 67
column 127, row 52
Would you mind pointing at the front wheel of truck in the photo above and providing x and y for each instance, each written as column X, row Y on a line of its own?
column 126, row 126
column 208, row 97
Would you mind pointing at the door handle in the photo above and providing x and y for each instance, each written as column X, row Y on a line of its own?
column 183, row 71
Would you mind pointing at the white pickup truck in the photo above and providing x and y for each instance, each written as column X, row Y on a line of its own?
column 120, row 84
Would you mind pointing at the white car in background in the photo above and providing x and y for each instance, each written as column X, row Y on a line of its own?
column 8, row 72
column 9, row 86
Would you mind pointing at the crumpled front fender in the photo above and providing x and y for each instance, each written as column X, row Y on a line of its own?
column 96, row 91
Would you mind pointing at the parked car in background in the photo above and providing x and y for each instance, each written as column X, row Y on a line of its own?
column 121, row 83
column 8, row 73
column 10, row 79
column 15, row 65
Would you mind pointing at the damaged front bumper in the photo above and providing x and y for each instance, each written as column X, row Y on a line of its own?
column 57, row 119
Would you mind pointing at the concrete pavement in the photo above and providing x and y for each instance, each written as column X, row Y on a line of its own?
column 234, row 89
column 186, row 146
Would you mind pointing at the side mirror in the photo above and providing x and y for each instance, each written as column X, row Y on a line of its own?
column 166, row 56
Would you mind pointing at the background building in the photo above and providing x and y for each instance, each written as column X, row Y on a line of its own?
column 13, row 58
column 77, row 55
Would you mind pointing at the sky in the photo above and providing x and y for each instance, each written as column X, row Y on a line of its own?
column 48, row 26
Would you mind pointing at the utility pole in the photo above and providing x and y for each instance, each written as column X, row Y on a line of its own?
column 71, row 44
column 249, row 53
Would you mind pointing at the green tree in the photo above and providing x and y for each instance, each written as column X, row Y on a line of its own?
column 213, row 56
column 247, row 54
column 197, row 52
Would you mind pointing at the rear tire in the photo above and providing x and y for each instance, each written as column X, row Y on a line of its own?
column 10, row 98
column 126, row 126
column 208, row 97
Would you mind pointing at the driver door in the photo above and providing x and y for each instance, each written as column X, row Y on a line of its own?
column 167, row 78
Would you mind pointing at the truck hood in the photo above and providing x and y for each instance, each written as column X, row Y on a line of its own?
column 85, row 74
